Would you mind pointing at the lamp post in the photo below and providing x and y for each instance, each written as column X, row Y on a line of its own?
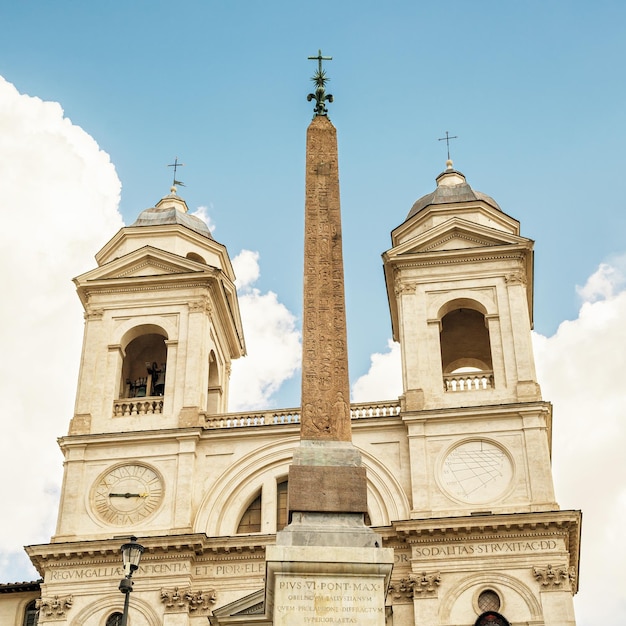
column 131, row 554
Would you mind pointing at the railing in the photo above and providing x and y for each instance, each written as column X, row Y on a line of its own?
column 138, row 406
column 468, row 381
column 362, row 410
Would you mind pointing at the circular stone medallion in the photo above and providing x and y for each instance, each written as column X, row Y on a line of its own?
column 476, row 471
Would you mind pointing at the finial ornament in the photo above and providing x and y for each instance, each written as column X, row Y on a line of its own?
column 447, row 140
column 320, row 79
column 175, row 182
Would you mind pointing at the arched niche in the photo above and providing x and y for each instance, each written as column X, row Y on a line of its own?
column 454, row 605
column 144, row 362
column 96, row 613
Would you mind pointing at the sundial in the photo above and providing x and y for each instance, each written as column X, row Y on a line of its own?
column 476, row 471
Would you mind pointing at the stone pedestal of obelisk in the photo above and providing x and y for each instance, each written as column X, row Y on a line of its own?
column 327, row 566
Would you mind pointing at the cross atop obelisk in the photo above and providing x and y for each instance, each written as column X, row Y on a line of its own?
column 327, row 476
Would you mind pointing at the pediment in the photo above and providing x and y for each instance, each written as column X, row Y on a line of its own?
column 457, row 234
column 252, row 605
column 145, row 262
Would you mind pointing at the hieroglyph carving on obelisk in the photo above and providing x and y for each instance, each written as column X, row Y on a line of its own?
column 325, row 382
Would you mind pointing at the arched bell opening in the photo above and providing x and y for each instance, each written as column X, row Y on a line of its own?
column 466, row 349
column 144, row 365
column 214, row 388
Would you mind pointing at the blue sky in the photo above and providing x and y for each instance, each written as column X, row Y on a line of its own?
column 531, row 89
column 534, row 91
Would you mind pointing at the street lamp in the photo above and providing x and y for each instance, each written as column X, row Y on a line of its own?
column 131, row 554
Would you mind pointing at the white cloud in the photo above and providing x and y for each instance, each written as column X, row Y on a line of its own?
column 272, row 341
column 581, row 369
column 383, row 381
column 247, row 271
column 59, row 196
column 203, row 213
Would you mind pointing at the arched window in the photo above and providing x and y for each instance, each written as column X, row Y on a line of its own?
column 195, row 257
column 115, row 619
column 250, row 521
column 281, row 504
column 143, row 370
column 214, row 390
column 465, row 350
column 491, row 618
column 31, row 614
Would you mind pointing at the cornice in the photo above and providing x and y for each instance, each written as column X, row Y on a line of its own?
column 455, row 257
column 171, row 547
column 481, row 411
column 414, row 530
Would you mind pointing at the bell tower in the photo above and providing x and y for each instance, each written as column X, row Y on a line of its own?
column 483, row 512
column 162, row 326
column 459, row 282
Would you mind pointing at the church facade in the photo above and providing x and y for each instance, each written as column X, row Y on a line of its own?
column 458, row 468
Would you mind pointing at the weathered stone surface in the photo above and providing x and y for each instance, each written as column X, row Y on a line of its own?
column 327, row 489
column 325, row 383
column 327, row 585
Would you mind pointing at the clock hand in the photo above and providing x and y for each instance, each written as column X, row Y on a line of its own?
column 128, row 495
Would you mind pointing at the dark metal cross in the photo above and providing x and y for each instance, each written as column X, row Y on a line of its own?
column 176, row 165
column 447, row 140
column 320, row 79
column 319, row 58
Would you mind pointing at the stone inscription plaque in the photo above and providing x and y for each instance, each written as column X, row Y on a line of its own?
column 316, row 599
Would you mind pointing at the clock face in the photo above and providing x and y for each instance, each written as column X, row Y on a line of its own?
column 476, row 471
column 127, row 494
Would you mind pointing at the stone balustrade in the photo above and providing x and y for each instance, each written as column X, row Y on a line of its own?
column 138, row 406
column 468, row 381
column 282, row 417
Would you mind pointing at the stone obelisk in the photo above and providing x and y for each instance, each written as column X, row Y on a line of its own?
column 326, row 566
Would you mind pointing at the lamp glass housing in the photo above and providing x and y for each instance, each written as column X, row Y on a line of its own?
column 131, row 555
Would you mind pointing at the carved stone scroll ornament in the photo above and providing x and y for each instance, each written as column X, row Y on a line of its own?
column 515, row 278
column 416, row 586
column 54, row 606
column 559, row 577
column 187, row 599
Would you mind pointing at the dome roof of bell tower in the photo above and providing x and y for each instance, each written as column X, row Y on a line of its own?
column 452, row 188
column 170, row 210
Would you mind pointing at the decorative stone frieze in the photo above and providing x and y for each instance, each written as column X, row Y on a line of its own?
column 188, row 600
column 415, row 586
column 556, row 578
column 54, row 607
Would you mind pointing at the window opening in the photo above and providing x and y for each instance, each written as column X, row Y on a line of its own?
column 465, row 351
column 489, row 600
column 214, row 389
column 491, row 618
column 31, row 614
column 281, row 504
column 143, row 370
column 115, row 619
column 251, row 520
